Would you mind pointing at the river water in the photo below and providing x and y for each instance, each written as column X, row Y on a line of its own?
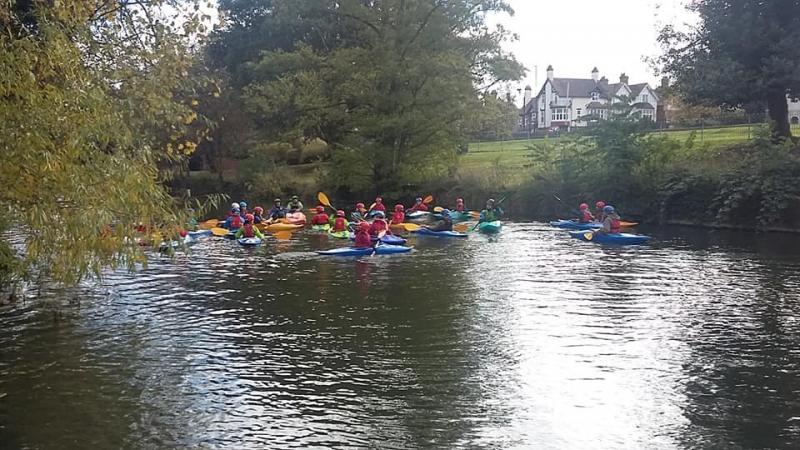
column 529, row 340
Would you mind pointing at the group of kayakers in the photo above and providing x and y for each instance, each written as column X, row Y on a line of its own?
column 369, row 224
column 604, row 214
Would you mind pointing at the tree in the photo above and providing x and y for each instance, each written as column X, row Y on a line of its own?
column 389, row 85
column 90, row 118
column 742, row 51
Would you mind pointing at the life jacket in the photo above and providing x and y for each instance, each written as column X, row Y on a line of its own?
column 378, row 226
column 257, row 219
column 615, row 226
column 319, row 219
column 363, row 240
column 236, row 222
column 340, row 224
column 460, row 208
column 421, row 207
column 586, row 217
column 247, row 231
column 398, row 217
column 379, row 207
column 489, row 215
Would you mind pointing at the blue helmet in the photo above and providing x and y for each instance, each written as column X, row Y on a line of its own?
column 446, row 212
column 243, row 204
column 608, row 209
column 379, row 214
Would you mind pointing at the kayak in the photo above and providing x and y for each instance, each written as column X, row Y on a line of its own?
column 253, row 241
column 575, row 225
column 399, row 227
column 379, row 250
column 295, row 218
column 459, row 216
column 321, row 228
column 388, row 239
column 442, row 234
column 279, row 227
column 419, row 217
column 618, row 238
column 339, row 234
column 199, row 233
column 490, row 227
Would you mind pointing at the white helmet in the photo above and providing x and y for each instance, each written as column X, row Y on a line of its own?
column 234, row 206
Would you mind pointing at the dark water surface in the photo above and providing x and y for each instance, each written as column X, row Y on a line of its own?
column 531, row 340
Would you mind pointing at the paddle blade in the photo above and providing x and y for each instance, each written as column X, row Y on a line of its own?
column 411, row 227
column 323, row 200
column 208, row 224
column 588, row 235
column 427, row 199
column 438, row 209
column 462, row 227
column 219, row 231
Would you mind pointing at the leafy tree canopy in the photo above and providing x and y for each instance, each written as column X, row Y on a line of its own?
column 742, row 51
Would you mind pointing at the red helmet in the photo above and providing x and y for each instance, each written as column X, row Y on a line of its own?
column 583, row 206
column 459, row 201
column 320, row 209
column 258, row 210
column 359, row 206
column 183, row 233
column 249, row 218
column 364, row 226
column 600, row 205
column 378, row 200
column 340, row 213
column 399, row 207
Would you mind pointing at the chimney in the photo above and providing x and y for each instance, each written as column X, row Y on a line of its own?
column 595, row 74
column 550, row 73
column 664, row 82
column 527, row 97
column 623, row 78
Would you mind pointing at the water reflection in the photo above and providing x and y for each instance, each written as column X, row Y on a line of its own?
column 530, row 339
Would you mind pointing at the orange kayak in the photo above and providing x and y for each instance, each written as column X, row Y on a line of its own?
column 296, row 218
column 274, row 227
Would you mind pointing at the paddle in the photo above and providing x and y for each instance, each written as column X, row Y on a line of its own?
column 208, row 224
column 411, row 227
column 438, row 209
column 377, row 242
column 323, row 200
column 497, row 203
column 220, row 232
column 569, row 208
column 589, row 235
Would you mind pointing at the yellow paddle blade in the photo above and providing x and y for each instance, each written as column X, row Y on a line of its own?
column 323, row 200
column 219, row 231
column 588, row 235
column 475, row 214
column 427, row 199
column 628, row 224
column 411, row 227
column 438, row 209
column 208, row 224
column 461, row 227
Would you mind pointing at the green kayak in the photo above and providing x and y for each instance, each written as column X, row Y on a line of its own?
column 490, row 227
column 321, row 228
column 339, row 234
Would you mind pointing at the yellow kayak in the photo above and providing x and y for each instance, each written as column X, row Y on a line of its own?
column 278, row 227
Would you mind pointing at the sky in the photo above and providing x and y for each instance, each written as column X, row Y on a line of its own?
column 577, row 35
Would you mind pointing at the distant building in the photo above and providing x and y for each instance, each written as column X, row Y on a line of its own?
column 562, row 103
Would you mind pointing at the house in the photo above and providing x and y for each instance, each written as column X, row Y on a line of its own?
column 563, row 103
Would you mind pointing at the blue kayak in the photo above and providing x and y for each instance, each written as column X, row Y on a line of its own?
column 379, row 250
column 249, row 242
column 387, row 239
column 490, row 227
column 200, row 233
column 617, row 239
column 442, row 234
column 575, row 225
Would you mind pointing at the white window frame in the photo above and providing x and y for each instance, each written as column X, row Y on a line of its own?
column 560, row 114
column 595, row 96
column 645, row 98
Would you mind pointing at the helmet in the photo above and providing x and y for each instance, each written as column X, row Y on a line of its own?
column 378, row 200
column 418, row 199
column 258, row 210
column 608, row 209
column 490, row 201
column 243, row 204
column 360, row 206
column 235, row 210
column 340, row 213
column 399, row 207
column 583, row 206
column 380, row 214
column 364, row 226
column 234, row 206
column 249, row 218
column 459, row 201
column 277, row 200
column 183, row 233
column 446, row 212
column 320, row 209
column 600, row 205
column 294, row 197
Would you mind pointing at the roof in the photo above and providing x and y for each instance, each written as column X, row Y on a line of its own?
column 596, row 105
column 643, row 105
column 636, row 89
column 575, row 87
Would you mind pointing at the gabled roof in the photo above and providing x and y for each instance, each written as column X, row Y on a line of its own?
column 575, row 87
column 596, row 105
column 636, row 89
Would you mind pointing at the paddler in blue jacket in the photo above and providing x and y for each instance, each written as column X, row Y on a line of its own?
column 446, row 224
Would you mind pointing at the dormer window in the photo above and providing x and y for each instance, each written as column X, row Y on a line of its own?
column 645, row 98
column 595, row 96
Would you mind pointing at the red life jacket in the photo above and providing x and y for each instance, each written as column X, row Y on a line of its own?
column 586, row 217
column 379, row 207
column 319, row 219
column 339, row 224
column 422, row 207
column 247, row 231
column 398, row 217
column 236, row 222
column 378, row 226
column 615, row 226
column 363, row 240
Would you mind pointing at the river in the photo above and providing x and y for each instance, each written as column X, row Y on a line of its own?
column 529, row 340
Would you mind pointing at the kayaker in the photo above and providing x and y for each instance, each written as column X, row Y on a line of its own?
column 358, row 214
column 340, row 223
column 259, row 212
column 585, row 216
column 446, row 224
column 234, row 207
column 249, row 230
column 598, row 207
column 399, row 216
column 243, row 208
column 363, row 239
column 378, row 206
column 277, row 211
column 491, row 213
column 295, row 204
column 460, row 205
column 320, row 218
column 418, row 206
column 379, row 225
column 611, row 221
column 234, row 220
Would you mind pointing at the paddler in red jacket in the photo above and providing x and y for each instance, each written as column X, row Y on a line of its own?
column 611, row 222
column 399, row 216
column 418, row 206
column 320, row 218
column 249, row 230
column 379, row 225
column 585, row 216
column 340, row 223
column 363, row 239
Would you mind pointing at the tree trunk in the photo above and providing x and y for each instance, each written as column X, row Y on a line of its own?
column 779, row 114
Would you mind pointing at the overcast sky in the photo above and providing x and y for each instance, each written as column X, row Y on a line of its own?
column 577, row 35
